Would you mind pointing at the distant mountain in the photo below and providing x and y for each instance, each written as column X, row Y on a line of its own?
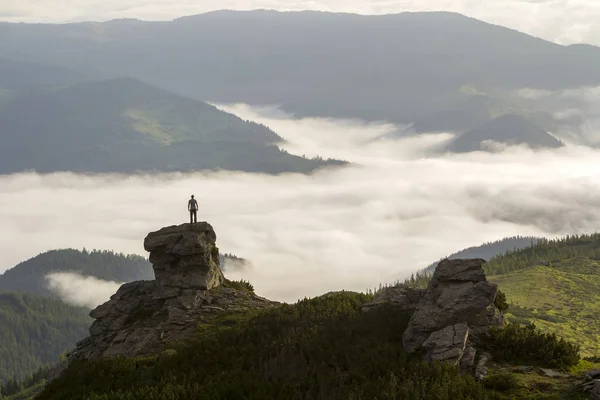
column 124, row 125
column 507, row 129
column 34, row 331
column 16, row 75
column 400, row 68
column 30, row 276
column 490, row 249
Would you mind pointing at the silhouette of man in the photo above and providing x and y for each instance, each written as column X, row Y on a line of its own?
column 192, row 208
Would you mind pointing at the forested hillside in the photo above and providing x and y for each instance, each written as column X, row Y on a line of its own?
column 490, row 249
column 124, row 125
column 34, row 331
column 30, row 276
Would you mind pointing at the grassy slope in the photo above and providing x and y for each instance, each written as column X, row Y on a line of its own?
column 563, row 298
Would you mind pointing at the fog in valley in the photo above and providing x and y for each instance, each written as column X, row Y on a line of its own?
column 395, row 210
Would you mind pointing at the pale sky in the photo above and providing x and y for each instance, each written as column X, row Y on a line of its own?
column 562, row 21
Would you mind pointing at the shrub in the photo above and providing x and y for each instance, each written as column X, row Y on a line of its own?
column 501, row 382
column 322, row 348
column 525, row 344
column 239, row 285
column 500, row 301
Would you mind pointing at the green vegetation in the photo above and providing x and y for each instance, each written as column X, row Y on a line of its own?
column 30, row 276
column 519, row 344
column 501, row 381
column 26, row 388
column 547, row 251
column 500, row 301
column 489, row 250
column 34, row 331
column 239, row 285
column 563, row 298
column 533, row 386
column 317, row 348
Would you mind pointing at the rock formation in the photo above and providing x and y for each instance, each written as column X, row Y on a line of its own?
column 401, row 296
column 456, row 307
column 143, row 318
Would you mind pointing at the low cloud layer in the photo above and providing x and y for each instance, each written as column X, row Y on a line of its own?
column 352, row 228
column 79, row 290
column 568, row 21
column 578, row 109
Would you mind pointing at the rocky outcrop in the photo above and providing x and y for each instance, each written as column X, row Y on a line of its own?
column 401, row 296
column 146, row 317
column 458, row 293
column 456, row 308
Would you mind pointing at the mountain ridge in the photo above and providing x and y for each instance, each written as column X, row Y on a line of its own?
column 126, row 125
column 262, row 60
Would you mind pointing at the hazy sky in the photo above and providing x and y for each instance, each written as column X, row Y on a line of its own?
column 349, row 228
column 563, row 21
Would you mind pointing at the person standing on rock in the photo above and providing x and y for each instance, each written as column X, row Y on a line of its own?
column 192, row 208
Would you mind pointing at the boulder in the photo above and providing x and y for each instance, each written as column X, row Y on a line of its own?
column 447, row 344
column 457, row 293
column 548, row 373
column 401, row 296
column 185, row 256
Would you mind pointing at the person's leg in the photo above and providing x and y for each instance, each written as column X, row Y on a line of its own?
column 195, row 217
column 191, row 216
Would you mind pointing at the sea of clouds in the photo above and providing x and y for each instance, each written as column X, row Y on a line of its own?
column 394, row 211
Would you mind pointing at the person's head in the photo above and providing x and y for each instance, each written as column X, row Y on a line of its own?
column 192, row 196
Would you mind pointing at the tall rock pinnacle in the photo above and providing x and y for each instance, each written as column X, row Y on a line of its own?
column 185, row 256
